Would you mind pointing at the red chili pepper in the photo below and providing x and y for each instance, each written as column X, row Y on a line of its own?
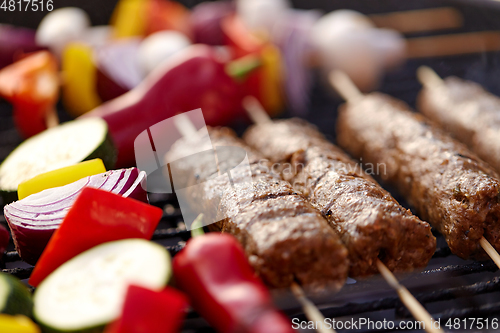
column 96, row 217
column 214, row 272
column 32, row 86
column 196, row 78
column 150, row 311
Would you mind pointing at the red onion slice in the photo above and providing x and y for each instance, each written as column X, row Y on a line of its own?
column 34, row 219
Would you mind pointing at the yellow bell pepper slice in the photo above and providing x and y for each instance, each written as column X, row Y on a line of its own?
column 272, row 83
column 129, row 18
column 17, row 324
column 80, row 79
column 60, row 177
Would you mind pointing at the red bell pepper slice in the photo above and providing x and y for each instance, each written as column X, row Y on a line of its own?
column 214, row 272
column 146, row 310
column 32, row 86
column 96, row 217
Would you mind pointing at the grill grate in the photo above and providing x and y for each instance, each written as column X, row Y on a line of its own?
column 448, row 287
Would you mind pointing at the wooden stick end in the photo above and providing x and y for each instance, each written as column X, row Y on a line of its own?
column 255, row 110
column 428, row 77
column 490, row 250
column 343, row 84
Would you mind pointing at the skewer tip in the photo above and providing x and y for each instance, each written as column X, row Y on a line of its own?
column 387, row 275
column 490, row 250
column 255, row 110
column 343, row 84
column 428, row 77
column 51, row 118
column 311, row 311
column 185, row 126
column 417, row 310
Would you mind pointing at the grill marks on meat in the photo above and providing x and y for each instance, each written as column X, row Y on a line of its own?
column 469, row 113
column 447, row 184
column 370, row 222
column 284, row 237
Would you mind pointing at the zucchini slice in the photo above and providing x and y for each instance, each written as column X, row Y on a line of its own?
column 87, row 292
column 55, row 148
column 15, row 298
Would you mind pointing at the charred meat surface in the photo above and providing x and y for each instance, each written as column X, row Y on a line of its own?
column 284, row 237
column 448, row 185
column 468, row 112
column 370, row 222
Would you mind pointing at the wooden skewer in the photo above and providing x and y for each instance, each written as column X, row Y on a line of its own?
column 51, row 119
column 411, row 303
column 311, row 311
column 345, row 87
column 430, row 79
column 255, row 110
column 454, row 44
column 490, row 250
column 420, row 20
column 188, row 130
column 185, row 126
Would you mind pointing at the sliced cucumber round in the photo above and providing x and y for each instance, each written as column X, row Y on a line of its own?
column 15, row 298
column 55, row 148
column 87, row 292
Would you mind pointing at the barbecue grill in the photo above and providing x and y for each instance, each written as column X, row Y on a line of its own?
column 448, row 287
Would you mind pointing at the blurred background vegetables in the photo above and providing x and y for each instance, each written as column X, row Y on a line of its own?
column 139, row 51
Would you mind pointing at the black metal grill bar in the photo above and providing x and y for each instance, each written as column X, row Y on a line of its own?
column 170, row 233
column 451, row 293
column 471, row 312
column 11, row 256
column 24, row 272
column 388, row 303
column 460, row 270
column 19, row 272
column 442, row 252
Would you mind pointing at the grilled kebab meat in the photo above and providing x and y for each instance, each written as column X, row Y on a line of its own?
column 468, row 112
column 448, row 185
column 284, row 237
column 369, row 220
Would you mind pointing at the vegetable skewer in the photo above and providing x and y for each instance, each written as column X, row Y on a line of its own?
column 256, row 112
column 430, row 80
